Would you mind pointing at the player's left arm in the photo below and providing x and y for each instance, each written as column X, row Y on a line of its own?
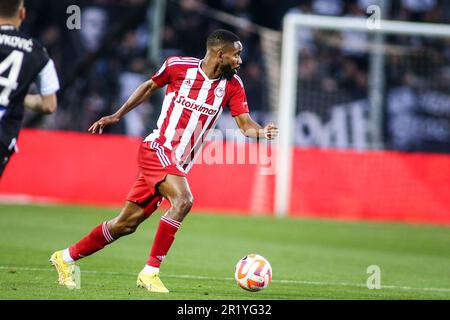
column 239, row 110
column 252, row 129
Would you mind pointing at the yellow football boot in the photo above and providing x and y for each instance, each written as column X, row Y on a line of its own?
column 66, row 271
column 151, row 282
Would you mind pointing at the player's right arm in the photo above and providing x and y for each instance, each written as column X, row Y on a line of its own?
column 142, row 93
column 44, row 104
column 48, row 84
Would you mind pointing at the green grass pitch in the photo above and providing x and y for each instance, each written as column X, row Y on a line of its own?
column 311, row 259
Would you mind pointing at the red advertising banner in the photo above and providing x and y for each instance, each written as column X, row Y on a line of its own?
column 387, row 186
column 69, row 167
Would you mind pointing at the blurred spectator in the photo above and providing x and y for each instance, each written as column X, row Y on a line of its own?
column 418, row 6
column 101, row 64
column 94, row 21
column 328, row 7
column 134, row 121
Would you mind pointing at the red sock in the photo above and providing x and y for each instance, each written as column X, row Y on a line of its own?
column 163, row 240
column 94, row 241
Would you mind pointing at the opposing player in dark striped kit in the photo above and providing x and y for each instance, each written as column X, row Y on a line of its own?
column 23, row 61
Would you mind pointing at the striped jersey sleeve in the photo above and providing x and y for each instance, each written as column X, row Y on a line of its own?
column 238, row 100
column 162, row 76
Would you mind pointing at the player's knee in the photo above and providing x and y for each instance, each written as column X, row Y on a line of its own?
column 184, row 204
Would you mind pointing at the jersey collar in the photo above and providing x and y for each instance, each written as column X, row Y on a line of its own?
column 7, row 27
column 204, row 74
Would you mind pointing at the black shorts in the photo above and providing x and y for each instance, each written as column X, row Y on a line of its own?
column 5, row 155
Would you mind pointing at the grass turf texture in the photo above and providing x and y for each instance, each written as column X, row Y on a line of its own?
column 311, row 259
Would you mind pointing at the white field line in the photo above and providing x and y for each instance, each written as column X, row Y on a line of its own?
column 186, row 276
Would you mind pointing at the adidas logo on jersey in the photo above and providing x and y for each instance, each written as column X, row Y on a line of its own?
column 191, row 104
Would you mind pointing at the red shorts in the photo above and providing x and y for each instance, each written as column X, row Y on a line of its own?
column 155, row 163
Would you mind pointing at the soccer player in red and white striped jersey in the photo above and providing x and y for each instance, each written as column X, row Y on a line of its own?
column 197, row 92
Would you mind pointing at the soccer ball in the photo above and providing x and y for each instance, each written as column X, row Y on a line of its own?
column 253, row 272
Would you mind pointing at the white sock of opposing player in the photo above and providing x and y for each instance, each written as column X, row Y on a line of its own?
column 149, row 269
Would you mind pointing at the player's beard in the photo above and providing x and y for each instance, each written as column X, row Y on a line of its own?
column 228, row 72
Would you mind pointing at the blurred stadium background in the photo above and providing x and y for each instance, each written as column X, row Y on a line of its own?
column 337, row 127
column 349, row 161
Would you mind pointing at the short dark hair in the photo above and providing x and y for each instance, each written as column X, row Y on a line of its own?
column 9, row 8
column 221, row 37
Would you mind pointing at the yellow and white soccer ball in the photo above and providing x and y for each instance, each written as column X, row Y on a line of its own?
column 253, row 272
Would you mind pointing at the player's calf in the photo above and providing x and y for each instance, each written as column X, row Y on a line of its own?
column 122, row 228
column 180, row 208
column 128, row 220
column 105, row 233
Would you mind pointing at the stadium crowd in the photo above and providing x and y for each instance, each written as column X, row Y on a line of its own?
column 101, row 64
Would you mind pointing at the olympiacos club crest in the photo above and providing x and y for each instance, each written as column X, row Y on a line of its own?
column 219, row 92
